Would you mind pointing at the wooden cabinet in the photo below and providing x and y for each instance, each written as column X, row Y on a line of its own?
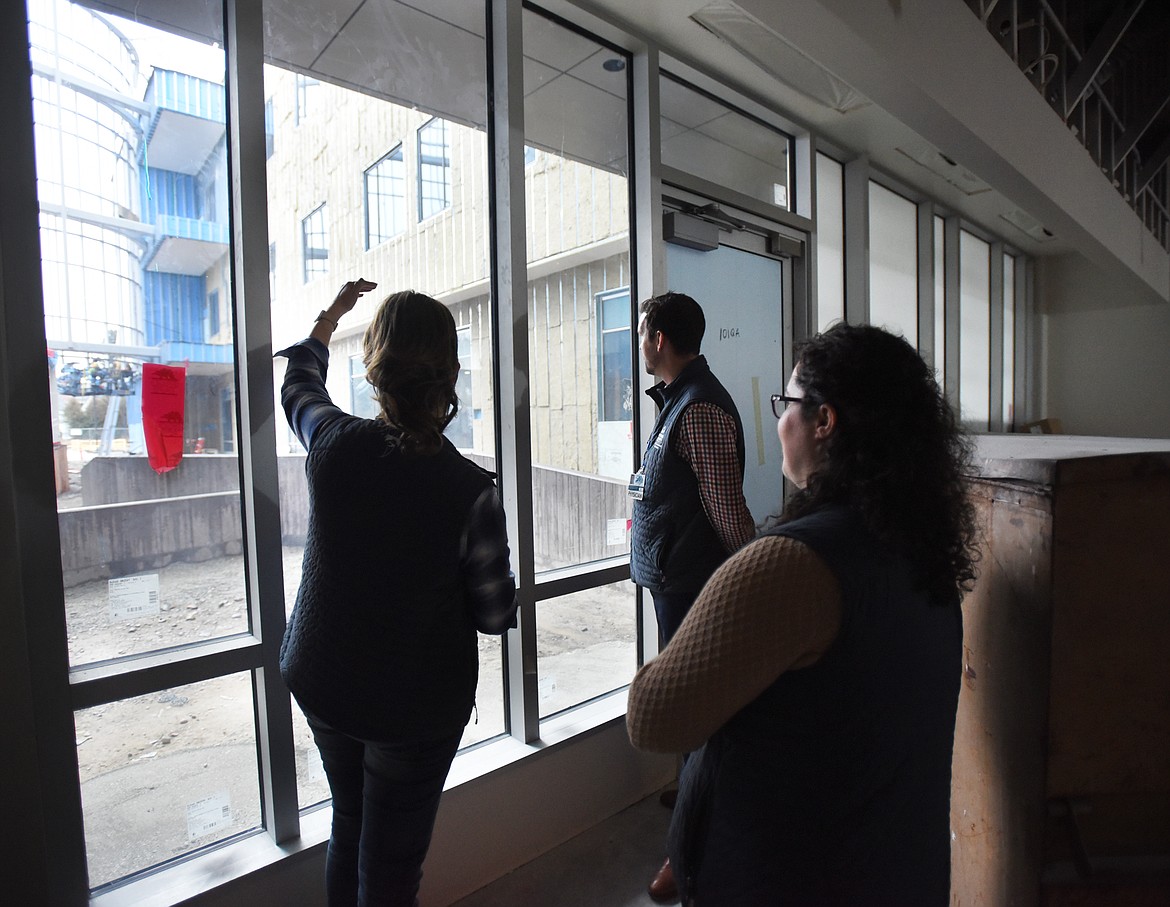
column 1062, row 745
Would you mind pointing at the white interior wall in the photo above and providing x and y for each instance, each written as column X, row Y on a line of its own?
column 1107, row 352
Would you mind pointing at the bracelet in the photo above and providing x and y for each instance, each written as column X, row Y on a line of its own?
column 324, row 317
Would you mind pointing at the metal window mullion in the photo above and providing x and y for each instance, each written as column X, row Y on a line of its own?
column 44, row 847
column 259, row 484
column 510, row 330
column 995, row 340
column 952, row 288
column 649, row 265
column 1025, row 393
column 925, row 266
column 804, row 305
column 855, row 189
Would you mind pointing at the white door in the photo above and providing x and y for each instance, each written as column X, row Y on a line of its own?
column 742, row 298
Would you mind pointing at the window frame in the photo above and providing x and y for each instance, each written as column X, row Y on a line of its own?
column 426, row 202
column 44, row 746
column 373, row 200
column 314, row 224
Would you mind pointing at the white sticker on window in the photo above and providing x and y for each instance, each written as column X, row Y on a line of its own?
column 615, row 532
column 133, row 596
column 209, row 814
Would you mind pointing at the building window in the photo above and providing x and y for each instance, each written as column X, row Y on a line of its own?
column 306, row 92
column 385, row 199
column 434, row 168
column 616, row 403
column 315, row 238
column 211, row 319
column 269, row 130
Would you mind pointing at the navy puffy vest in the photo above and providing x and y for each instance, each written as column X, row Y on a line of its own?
column 833, row 786
column 673, row 546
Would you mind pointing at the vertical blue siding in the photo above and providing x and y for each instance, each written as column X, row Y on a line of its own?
column 187, row 94
column 174, row 307
column 171, row 193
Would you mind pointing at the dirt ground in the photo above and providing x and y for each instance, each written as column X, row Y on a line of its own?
column 172, row 771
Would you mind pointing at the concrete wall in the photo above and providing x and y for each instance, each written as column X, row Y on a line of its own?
column 144, row 521
column 120, row 539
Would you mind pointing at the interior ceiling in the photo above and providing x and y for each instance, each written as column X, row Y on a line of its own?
column 406, row 50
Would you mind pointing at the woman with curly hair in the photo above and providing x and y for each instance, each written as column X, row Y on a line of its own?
column 817, row 675
column 406, row 557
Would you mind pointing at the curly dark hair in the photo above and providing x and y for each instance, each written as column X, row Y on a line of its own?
column 897, row 455
column 411, row 355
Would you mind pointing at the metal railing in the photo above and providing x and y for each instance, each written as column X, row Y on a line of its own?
column 1107, row 99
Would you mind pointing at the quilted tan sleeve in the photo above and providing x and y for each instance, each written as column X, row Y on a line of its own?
column 772, row 607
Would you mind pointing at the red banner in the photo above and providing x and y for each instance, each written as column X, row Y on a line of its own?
column 163, row 393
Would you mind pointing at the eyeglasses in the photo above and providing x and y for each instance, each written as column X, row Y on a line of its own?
column 780, row 403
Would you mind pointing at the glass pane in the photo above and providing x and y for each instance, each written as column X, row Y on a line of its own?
column 830, row 242
column 585, row 645
column 580, row 374
column 709, row 139
column 165, row 774
column 893, row 262
column 974, row 330
column 413, row 140
column 1009, row 341
column 940, row 283
column 136, row 269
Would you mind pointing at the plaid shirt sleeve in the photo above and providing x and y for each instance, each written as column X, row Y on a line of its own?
column 706, row 440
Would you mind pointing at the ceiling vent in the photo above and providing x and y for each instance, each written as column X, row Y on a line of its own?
column 773, row 54
column 1028, row 224
column 941, row 165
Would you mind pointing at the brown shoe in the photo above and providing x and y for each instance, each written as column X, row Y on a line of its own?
column 662, row 887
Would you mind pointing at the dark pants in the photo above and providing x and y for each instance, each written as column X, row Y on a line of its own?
column 671, row 608
column 385, row 797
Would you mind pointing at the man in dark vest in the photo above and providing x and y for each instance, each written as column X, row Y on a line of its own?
column 689, row 509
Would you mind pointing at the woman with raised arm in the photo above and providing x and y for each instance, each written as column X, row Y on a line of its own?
column 818, row 672
column 406, row 557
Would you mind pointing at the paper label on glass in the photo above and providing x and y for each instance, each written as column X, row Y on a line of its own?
column 208, row 815
column 133, row 596
column 615, row 532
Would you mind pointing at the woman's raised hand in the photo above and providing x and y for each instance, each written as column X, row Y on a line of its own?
column 349, row 294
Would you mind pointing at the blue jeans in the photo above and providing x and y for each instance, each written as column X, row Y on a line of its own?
column 385, row 798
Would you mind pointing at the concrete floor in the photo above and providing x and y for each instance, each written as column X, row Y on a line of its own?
column 609, row 865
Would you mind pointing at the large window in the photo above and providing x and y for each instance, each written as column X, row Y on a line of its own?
column 974, row 330
column 893, row 262
column 447, row 258
column 830, row 301
column 136, row 270
column 580, row 358
column 704, row 136
column 434, row 168
column 1009, row 341
column 152, row 649
column 385, row 199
